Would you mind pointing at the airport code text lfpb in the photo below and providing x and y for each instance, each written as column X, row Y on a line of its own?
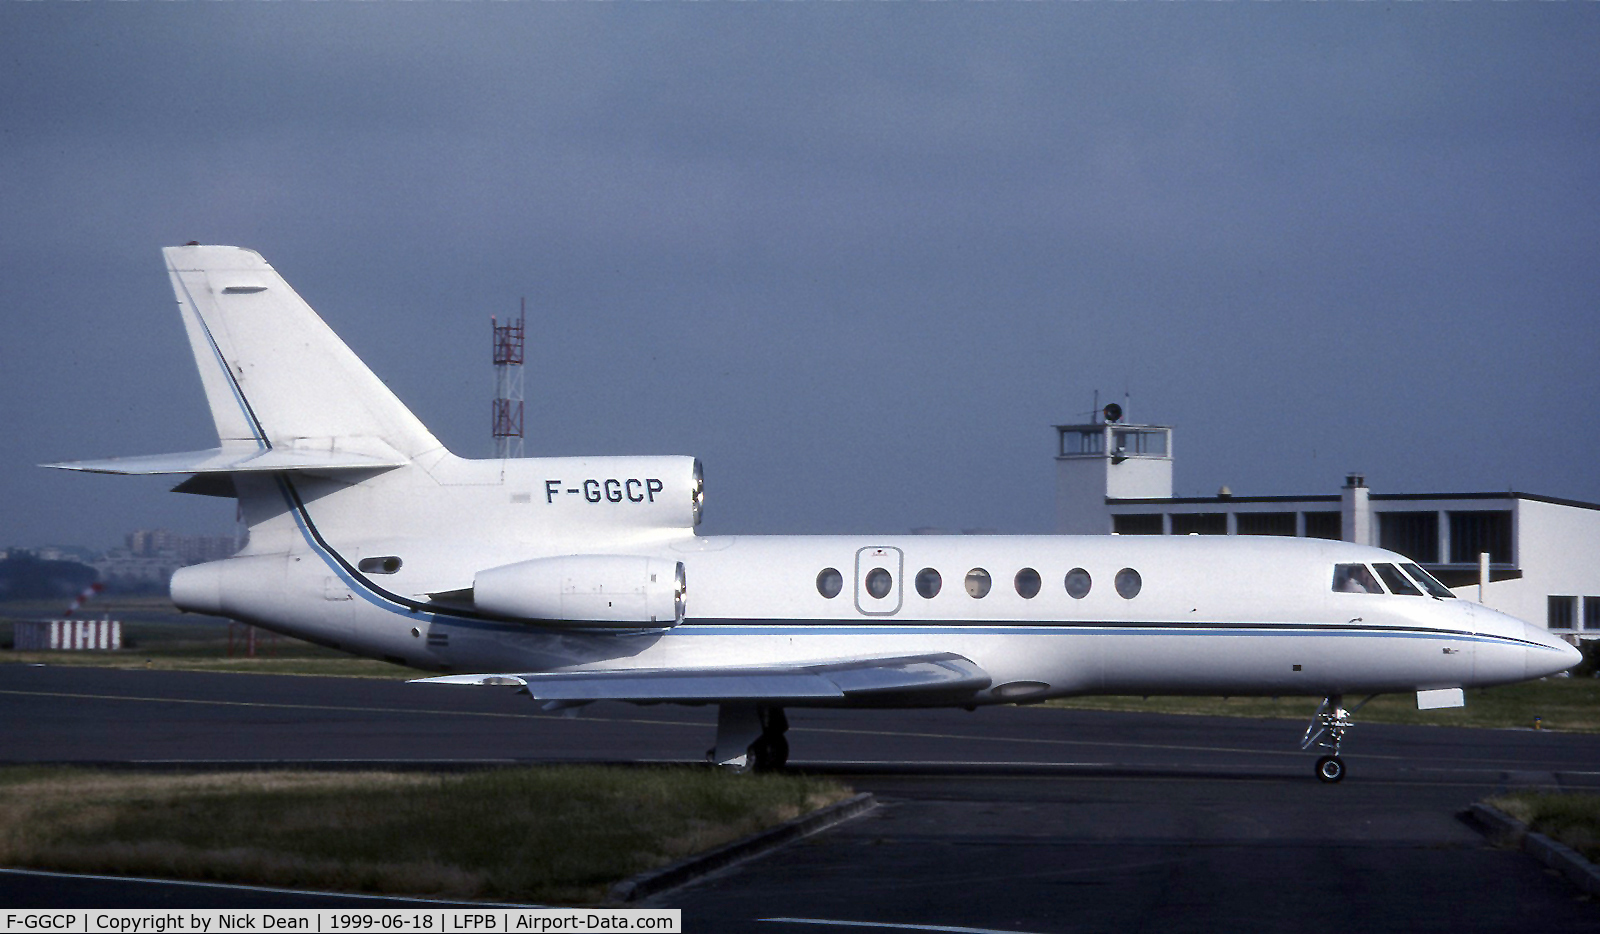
column 172, row 921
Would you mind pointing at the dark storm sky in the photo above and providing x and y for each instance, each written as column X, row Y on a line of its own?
column 857, row 258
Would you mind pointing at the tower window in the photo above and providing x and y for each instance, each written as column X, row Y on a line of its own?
column 1137, row 523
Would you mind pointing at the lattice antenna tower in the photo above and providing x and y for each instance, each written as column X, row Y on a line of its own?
column 508, row 356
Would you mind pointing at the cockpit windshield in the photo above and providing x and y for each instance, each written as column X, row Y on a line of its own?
column 1354, row 578
column 1395, row 581
column 1432, row 586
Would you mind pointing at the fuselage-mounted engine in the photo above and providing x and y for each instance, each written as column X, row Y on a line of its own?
column 588, row 592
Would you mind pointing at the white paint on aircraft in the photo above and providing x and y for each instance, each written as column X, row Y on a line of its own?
column 580, row 579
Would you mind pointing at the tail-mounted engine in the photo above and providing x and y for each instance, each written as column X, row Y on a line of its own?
column 585, row 591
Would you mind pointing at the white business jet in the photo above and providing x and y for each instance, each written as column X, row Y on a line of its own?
column 582, row 579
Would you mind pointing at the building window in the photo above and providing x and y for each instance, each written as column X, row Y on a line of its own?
column 1329, row 525
column 1133, row 441
column 1137, row 523
column 1591, row 612
column 1473, row 533
column 1265, row 523
column 1562, row 610
column 1083, row 442
column 1413, row 534
column 1199, row 523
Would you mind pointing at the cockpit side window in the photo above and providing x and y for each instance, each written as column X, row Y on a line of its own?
column 1428, row 582
column 1354, row 578
column 1396, row 581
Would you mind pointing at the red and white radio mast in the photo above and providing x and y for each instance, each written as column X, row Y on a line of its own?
column 508, row 356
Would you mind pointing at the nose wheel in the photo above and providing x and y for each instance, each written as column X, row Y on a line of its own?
column 1326, row 731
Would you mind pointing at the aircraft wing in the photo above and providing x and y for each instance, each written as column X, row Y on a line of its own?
column 885, row 678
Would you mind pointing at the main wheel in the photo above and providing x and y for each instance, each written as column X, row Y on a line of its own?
column 768, row 754
column 778, row 753
column 1330, row 769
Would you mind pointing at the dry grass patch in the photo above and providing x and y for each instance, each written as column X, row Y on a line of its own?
column 1572, row 818
column 556, row 834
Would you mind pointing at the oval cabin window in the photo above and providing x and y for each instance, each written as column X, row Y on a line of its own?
column 830, row 582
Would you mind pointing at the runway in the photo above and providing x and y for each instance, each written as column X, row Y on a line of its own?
column 1005, row 819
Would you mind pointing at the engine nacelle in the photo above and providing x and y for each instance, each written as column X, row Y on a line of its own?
column 585, row 591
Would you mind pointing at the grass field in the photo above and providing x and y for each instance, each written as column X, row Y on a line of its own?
column 554, row 834
column 1572, row 818
column 1571, row 704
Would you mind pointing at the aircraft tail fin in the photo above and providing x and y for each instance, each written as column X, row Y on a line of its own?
column 275, row 375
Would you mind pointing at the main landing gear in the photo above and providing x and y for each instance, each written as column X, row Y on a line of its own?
column 1326, row 731
column 750, row 738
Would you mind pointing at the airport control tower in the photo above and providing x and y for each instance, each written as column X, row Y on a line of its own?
column 1104, row 460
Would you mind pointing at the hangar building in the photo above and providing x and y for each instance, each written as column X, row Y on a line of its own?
column 1535, row 557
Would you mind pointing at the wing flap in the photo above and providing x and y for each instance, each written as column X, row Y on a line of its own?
column 877, row 678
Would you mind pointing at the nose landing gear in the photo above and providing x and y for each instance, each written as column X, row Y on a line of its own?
column 1326, row 731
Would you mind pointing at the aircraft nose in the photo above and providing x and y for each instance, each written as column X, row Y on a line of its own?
column 1549, row 653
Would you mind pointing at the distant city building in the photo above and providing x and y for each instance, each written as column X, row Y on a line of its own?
column 1541, row 551
column 190, row 549
column 147, row 559
column 64, row 553
column 152, row 555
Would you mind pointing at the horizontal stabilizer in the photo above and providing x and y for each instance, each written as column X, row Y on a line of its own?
column 348, row 454
column 884, row 678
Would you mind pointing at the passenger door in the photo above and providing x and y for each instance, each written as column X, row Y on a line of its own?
column 879, row 578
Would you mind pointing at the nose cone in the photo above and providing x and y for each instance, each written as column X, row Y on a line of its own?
column 1548, row 654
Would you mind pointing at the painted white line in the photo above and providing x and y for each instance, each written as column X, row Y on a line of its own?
column 334, row 708
column 40, row 873
column 555, row 717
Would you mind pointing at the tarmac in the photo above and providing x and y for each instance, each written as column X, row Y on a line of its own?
column 1003, row 819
